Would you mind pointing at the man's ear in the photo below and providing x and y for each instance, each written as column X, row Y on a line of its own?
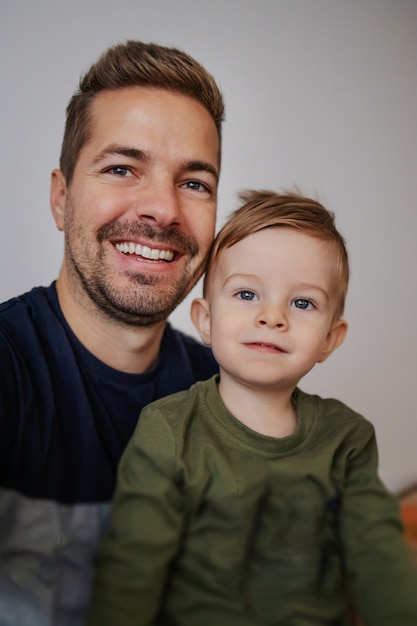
column 58, row 196
column 200, row 317
column 334, row 339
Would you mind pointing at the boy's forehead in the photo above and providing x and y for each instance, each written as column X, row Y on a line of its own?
column 270, row 240
column 281, row 250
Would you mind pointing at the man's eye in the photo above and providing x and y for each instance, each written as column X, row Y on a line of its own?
column 119, row 170
column 247, row 295
column 302, row 303
column 195, row 185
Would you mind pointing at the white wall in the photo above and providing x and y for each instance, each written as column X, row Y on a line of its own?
column 319, row 93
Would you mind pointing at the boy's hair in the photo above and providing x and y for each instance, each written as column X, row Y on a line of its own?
column 135, row 64
column 267, row 209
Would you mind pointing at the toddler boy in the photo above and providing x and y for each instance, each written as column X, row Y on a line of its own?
column 245, row 501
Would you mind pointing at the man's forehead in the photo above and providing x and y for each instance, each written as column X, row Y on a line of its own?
column 137, row 95
column 126, row 106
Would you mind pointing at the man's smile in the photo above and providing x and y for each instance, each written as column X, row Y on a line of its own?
column 130, row 247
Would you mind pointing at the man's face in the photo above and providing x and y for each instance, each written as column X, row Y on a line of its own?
column 139, row 215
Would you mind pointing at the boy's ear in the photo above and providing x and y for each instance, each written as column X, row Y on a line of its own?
column 200, row 317
column 334, row 339
column 58, row 196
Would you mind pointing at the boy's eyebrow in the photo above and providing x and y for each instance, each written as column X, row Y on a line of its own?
column 237, row 276
column 193, row 165
column 314, row 287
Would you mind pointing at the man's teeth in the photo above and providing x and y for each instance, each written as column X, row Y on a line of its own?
column 145, row 251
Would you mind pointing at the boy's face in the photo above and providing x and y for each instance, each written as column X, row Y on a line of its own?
column 269, row 315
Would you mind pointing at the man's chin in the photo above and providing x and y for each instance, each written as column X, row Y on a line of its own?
column 142, row 311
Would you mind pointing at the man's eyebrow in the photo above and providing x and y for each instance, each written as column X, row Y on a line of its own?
column 199, row 166
column 116, row 150
column 139, row 155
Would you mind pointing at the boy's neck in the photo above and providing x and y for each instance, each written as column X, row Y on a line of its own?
column 269, row 412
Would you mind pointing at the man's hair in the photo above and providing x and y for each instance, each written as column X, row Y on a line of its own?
column 135, row 64
column 267, row 209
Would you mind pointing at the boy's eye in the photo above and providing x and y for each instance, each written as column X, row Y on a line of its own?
column 302, row 303
column 245, row 294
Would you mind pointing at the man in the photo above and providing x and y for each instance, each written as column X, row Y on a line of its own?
column 135, row 196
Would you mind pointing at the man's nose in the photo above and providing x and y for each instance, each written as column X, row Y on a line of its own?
column 160, row 203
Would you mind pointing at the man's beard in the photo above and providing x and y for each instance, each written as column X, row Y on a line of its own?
column 148, row 299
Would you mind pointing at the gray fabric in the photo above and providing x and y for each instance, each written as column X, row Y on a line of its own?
column 49, row 584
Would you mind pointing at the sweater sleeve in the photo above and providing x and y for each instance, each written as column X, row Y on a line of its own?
column 145, row 527
column 8, row 399
column 378, row 563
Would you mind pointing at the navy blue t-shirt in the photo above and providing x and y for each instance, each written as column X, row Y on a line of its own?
column 65, row 419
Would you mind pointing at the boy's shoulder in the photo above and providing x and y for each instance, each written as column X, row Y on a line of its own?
column 329, row 411
column 182, row 401
column 174, row 417
column 324, row 404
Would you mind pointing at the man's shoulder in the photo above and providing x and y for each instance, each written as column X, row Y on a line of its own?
column 181, row 338
column 26, row 305
column 180, row 399
column 184, row 348
column 28, row 324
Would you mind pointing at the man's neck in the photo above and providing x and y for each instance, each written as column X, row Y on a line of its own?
column 130, row 349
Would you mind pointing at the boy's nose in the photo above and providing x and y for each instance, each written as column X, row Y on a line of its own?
column 273, row 316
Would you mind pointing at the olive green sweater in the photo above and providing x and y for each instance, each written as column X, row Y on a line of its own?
column 214, row 524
